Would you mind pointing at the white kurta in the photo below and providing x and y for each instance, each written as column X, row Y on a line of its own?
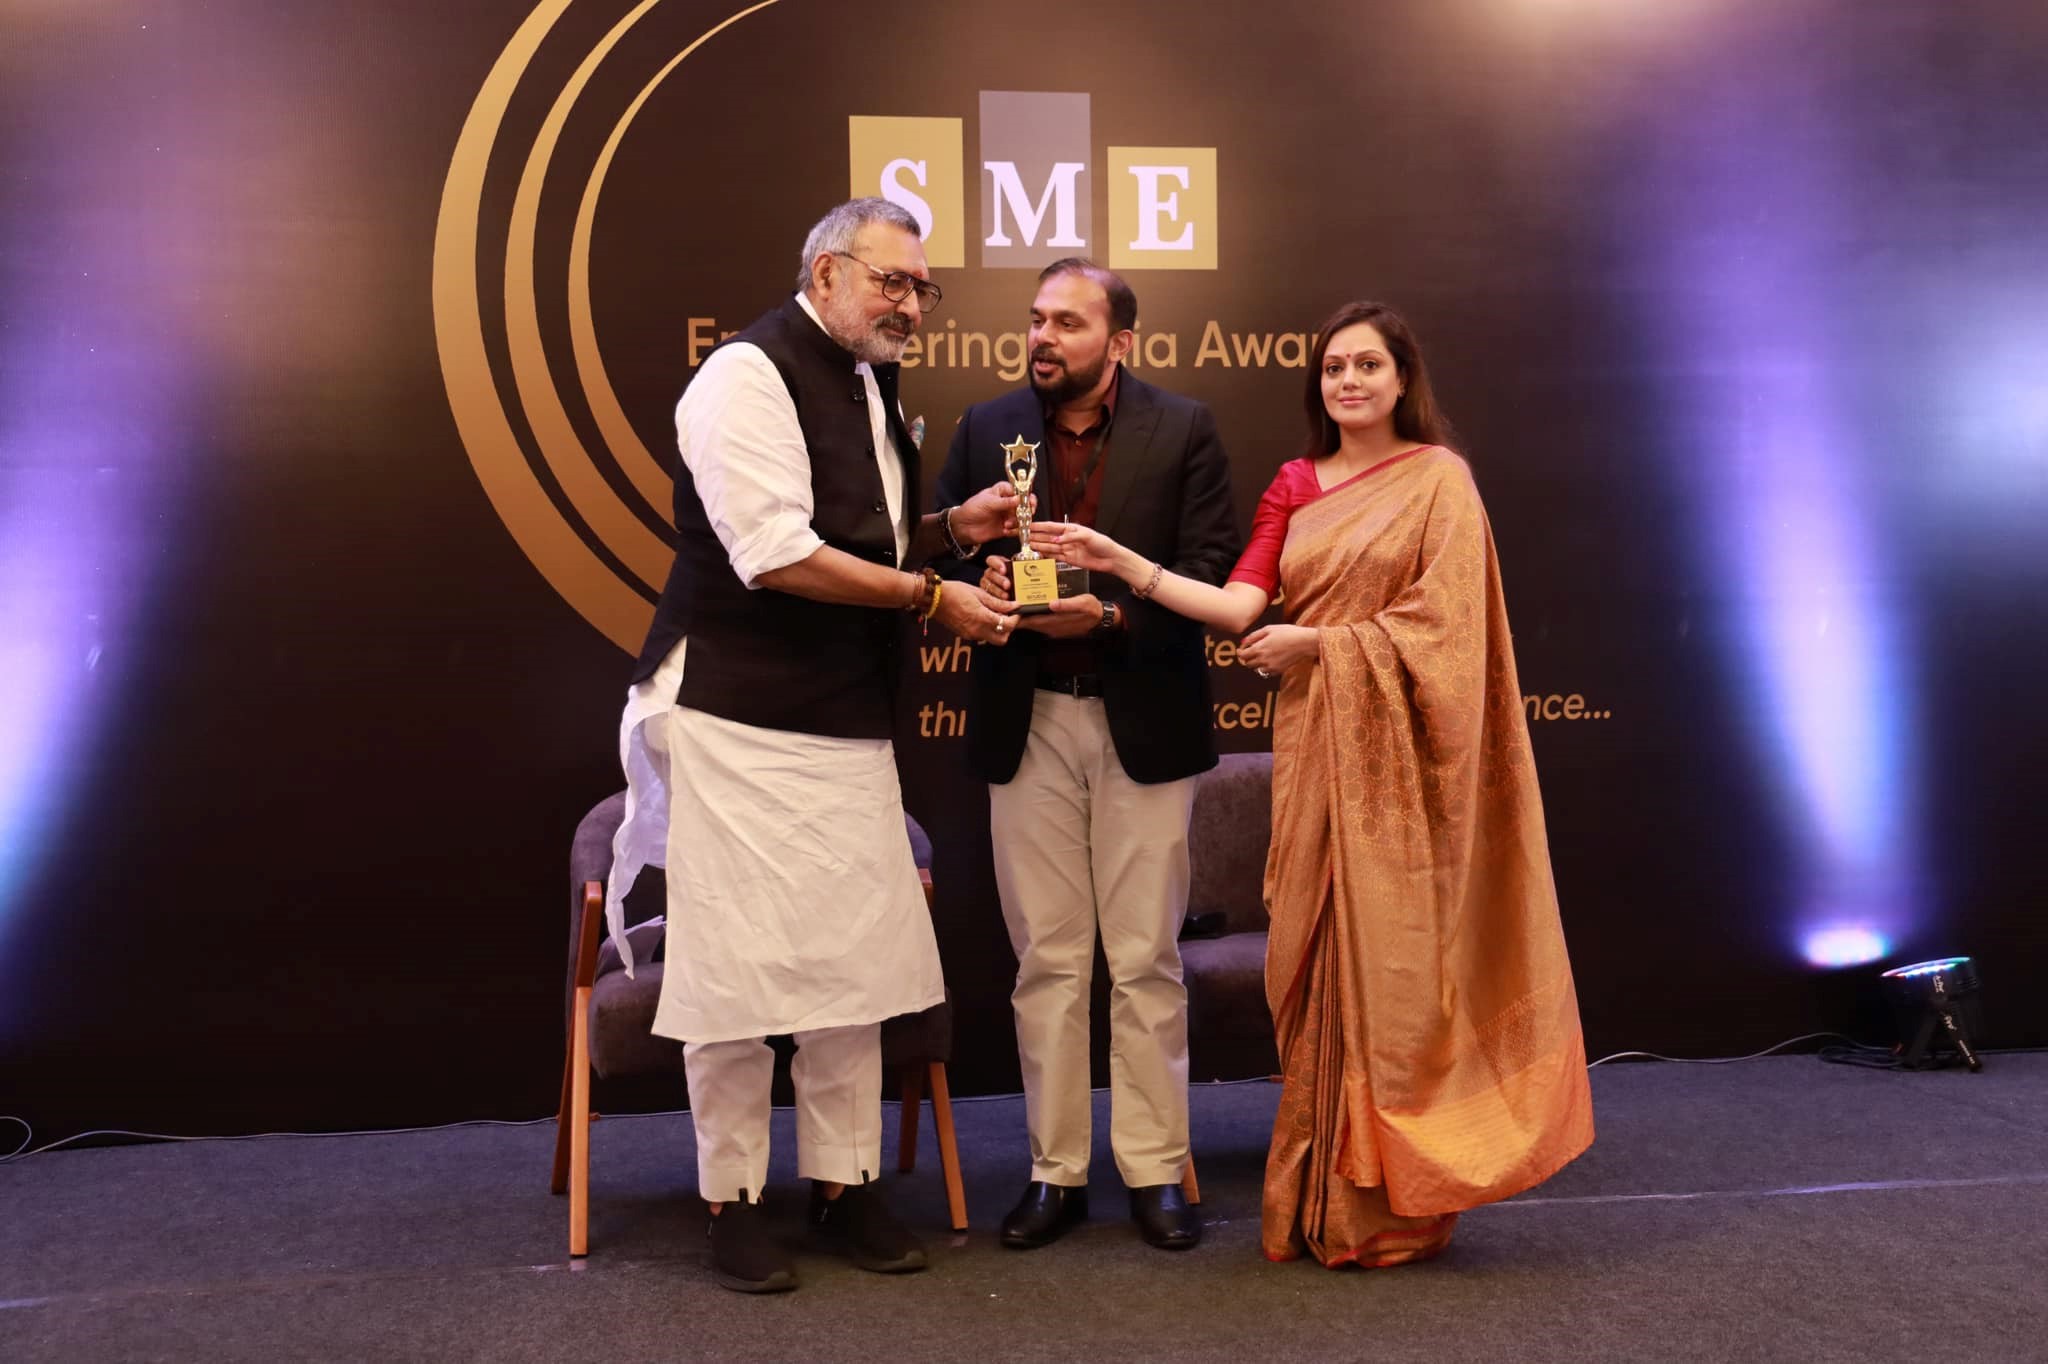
column 793, row 901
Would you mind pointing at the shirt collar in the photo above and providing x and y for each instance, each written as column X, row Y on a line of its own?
column 803, row 300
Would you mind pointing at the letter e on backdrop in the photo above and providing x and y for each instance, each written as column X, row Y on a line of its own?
column 1162, row 208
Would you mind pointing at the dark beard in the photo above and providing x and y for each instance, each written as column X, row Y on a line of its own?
column 1071, row 384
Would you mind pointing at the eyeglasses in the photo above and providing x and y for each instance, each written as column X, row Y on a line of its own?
column 898, row 284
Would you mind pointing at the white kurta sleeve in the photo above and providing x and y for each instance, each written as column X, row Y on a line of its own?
column 737, row 432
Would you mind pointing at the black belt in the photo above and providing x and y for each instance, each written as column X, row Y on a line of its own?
column 1072, row 684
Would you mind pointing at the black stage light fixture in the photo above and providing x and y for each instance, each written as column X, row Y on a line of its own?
column 1936, row 1004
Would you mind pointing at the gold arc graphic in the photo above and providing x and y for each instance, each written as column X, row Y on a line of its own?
column 553, row 545
column 640, row 467
column 614, row 523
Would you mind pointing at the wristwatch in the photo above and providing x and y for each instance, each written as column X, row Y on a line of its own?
column 1112, row 619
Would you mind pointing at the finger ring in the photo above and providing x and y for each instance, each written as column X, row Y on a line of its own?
column 1264, row 673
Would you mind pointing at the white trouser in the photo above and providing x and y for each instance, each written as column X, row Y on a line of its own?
column 1080, row 847
column 837, row 1075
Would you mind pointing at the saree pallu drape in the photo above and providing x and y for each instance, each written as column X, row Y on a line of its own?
column 1427, row 1026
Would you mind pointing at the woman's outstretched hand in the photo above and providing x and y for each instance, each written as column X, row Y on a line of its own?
column 1077, row 545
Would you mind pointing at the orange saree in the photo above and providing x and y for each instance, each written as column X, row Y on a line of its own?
column 1427, row 1026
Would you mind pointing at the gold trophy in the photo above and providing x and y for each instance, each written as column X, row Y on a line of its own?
column 1035, row 581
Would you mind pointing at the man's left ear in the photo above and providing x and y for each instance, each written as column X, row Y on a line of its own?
column 1121, row 343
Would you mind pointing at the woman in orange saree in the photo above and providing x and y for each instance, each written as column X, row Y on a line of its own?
column 1422, row 1001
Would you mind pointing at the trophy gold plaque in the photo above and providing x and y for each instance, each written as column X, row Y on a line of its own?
column 1035, row 581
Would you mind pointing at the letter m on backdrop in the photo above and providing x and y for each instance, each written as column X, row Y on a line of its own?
column 1035, row 191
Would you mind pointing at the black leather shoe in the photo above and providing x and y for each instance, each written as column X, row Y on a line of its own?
column 1044, row 1213
column 1165, row 1218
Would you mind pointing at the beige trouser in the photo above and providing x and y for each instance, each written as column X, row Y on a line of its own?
column 837, row 1075
column 1079, row 847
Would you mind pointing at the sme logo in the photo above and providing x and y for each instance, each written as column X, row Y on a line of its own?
column 1036, row 189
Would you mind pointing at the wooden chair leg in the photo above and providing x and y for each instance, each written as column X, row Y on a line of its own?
column 558, row 1182
column 949, row 1150
column 579, row 1129
column 913, row 1098
column 576, row 1075
column 1188, row 1185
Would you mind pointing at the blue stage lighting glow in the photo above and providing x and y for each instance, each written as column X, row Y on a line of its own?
column 48, row 646
column 1993, row 470
column 1786, row 475
column 1821, row 646
column 90, row 393
column 1845, row 946
column 28, row 684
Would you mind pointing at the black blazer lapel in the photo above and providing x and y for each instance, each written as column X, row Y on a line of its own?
column 1130, row 450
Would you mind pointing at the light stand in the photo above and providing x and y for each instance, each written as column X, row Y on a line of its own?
column 1937, row 1007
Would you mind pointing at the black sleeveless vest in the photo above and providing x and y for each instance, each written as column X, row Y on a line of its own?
column 770, row 658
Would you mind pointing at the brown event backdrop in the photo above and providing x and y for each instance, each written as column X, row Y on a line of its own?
column 338, row 348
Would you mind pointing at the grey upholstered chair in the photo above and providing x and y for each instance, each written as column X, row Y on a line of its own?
column 1230, row 1029
column 610, row 1021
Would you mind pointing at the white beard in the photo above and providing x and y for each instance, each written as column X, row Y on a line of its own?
column 869, row 341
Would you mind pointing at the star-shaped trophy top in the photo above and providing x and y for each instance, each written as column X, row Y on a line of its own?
column 1020, row 457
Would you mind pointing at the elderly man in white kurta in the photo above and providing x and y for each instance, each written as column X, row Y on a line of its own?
column 760, row 722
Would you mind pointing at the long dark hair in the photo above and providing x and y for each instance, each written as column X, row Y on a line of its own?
column 1416, row 416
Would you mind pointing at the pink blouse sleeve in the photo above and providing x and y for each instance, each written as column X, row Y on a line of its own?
column 1259, row 565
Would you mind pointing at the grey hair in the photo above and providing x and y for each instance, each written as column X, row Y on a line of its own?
column 837, row 229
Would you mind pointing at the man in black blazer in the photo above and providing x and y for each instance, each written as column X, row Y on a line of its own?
column 1091, row 727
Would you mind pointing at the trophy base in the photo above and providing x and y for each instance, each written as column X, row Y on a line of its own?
column 1034, row 583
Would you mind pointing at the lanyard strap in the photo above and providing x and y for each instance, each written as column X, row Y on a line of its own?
column 1087, row 470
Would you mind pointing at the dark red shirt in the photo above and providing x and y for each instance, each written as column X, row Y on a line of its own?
column 1070, row 453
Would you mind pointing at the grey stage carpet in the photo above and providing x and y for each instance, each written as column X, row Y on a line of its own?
column 1773, row 1209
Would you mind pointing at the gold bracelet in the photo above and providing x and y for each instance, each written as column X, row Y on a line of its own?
column 938, row 590
column 1145, row 593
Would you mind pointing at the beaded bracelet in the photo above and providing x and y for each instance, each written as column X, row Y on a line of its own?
column 925, row 599
column 1152, row 585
